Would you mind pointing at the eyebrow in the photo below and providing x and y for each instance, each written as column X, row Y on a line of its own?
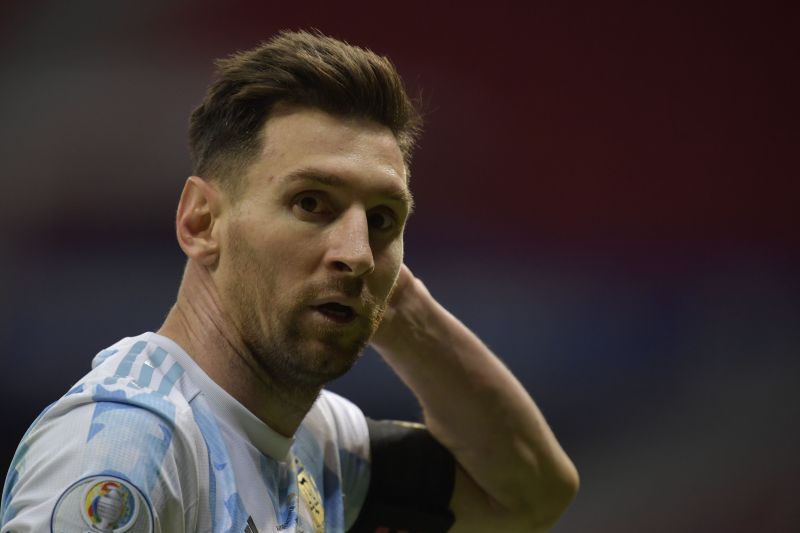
column 402, row 195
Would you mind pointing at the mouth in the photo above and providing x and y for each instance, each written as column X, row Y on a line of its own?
column 341, row 314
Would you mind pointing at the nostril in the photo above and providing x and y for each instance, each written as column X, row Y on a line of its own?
column 342, row 266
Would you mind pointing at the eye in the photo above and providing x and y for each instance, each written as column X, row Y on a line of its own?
column 309, row 203
column 380, row 220
column 312, row 206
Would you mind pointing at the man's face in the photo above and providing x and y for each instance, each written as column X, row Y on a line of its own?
column 311, row 247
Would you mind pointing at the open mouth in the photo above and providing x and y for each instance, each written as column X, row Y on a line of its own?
column 337, row 312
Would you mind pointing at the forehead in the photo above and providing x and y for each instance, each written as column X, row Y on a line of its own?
column 303, row 140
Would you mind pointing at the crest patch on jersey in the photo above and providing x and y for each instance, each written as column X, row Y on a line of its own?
column 105, row 504
column 311, row 496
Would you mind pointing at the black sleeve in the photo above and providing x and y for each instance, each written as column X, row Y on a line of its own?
column 411, row 482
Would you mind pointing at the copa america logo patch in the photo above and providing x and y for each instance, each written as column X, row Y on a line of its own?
column 109, row 505
column 106, row 504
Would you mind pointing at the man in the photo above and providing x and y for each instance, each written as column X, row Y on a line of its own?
column 293, row 230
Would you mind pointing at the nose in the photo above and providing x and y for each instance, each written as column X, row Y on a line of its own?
column 349, row 249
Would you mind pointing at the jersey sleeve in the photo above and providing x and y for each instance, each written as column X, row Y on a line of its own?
column 411, row 481
column 395, row 476
column 104, row 466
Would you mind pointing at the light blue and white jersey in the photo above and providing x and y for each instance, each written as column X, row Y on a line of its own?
column 148, row 442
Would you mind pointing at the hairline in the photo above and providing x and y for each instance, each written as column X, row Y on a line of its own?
column 230, row 170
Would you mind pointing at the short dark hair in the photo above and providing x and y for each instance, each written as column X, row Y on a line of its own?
column 306, row 69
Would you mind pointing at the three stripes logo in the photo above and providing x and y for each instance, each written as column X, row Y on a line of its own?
column 251, row 526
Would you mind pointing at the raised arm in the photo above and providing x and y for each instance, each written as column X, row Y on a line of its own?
column 512, row 474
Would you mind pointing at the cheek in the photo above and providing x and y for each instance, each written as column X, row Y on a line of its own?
column 388, row 270
column 242, row 258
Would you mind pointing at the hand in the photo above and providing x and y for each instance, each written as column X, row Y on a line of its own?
column 405, row 308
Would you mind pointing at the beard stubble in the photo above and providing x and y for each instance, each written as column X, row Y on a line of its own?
column 278, row 332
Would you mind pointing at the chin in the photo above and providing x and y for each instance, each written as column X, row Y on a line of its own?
column 335, row 361
column 317, row 363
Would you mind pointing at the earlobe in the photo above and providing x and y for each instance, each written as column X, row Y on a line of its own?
column 198, row 211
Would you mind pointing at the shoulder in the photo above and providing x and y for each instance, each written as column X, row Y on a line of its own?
column 133, row 385
column 126, row 430
column 113, row 452
column 140, row 371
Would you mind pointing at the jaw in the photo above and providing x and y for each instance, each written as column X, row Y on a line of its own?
column 306, row 353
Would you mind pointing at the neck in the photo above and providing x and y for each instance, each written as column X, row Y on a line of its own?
column 200, row 325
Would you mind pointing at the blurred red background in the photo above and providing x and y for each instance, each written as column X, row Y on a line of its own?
column 606, row 193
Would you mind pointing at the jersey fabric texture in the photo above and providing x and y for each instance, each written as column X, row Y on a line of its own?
column 148, row 442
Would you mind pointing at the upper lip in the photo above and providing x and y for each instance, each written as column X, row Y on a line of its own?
column 352, row 303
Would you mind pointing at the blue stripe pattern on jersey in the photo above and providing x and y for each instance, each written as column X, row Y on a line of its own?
column 222, row 484
column 102, row 356
column 168, row 381
column 124, row 368
column 134, row 445
column 77, row 389
column 152, row 362
column 281, row 483
column 8, row 511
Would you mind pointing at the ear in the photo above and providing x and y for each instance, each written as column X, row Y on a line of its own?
column 198, row 212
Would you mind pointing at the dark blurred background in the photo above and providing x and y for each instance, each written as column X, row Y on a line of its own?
column 607, row 193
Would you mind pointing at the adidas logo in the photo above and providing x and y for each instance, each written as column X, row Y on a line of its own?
column 251, row 526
